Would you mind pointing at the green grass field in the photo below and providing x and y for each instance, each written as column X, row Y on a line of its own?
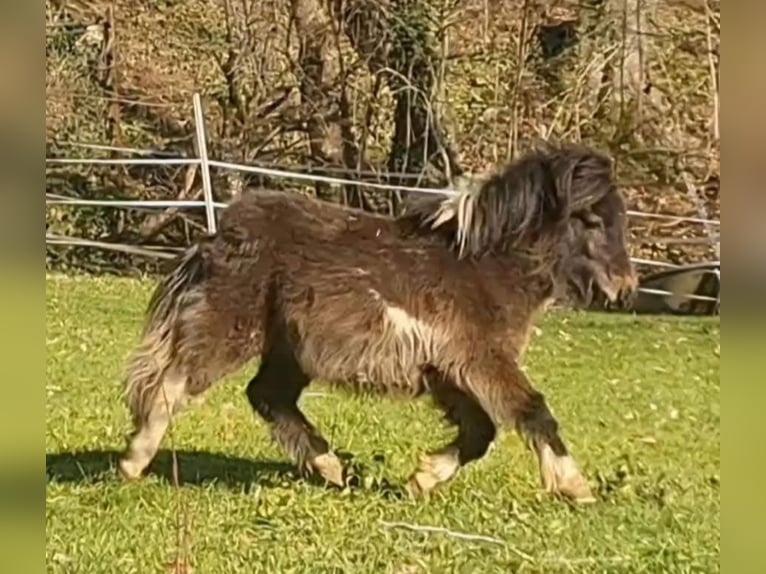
column 637, row 399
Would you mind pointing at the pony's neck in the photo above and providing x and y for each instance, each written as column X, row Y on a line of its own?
column 521, row 337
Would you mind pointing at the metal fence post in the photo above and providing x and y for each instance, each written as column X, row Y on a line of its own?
column 207, row 188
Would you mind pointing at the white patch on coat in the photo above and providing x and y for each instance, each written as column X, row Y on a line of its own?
column 409, row 339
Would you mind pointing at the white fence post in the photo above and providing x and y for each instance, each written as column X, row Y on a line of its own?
column 207, row 188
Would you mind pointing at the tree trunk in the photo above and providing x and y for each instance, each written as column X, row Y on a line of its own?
column 418, row 139
column 400, row 48
column 622, row 86
column 630, row 82
column 314, row 29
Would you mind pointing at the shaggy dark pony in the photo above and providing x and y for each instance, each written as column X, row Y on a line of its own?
column 440, row 300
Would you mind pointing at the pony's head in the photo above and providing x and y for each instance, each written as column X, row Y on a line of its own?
column 594, row 251
column 557, row 205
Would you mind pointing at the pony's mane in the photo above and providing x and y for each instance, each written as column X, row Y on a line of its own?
column 530, row 199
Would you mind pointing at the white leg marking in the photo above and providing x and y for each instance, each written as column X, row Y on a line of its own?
column 330, row 467
column 434, row 469
column 147, row 440
column 560, row 474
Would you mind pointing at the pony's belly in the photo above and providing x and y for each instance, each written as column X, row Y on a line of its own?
column 385, row 354
column 372, row 375
column 394, row 378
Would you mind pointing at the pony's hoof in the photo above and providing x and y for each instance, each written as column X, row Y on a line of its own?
column 421, row 484
column 330, row 468
column 435, row 469
column 561, row 476
column 128, row 470
column 577, row 490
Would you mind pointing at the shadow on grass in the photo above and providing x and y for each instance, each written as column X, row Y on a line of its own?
column 200, row 467
column 194, row 467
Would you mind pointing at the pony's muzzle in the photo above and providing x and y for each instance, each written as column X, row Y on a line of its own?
column 620, row 287
column 625, row 286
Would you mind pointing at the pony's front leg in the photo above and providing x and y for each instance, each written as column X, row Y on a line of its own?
column 506, row 394
column 558, row 470
column 476, row 431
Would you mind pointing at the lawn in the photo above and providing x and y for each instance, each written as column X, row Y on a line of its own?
column 637, row 399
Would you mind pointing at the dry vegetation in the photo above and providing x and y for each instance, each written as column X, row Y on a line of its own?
column 435, row 89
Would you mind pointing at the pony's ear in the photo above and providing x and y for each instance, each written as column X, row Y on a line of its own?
column 587, row 175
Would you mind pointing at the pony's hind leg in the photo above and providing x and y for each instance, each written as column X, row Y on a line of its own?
column 476, row 431
column 188, row 345
column 200, row 325
column 152, row 411
column 273, row 393
column 505, row 393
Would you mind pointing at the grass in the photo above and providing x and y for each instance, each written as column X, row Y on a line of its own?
column 637, row 398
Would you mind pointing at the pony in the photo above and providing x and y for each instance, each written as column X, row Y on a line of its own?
column 439, row 300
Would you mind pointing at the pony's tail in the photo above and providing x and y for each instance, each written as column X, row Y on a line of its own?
column 158, row 349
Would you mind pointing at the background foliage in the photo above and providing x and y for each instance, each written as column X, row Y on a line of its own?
column 433, row 90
